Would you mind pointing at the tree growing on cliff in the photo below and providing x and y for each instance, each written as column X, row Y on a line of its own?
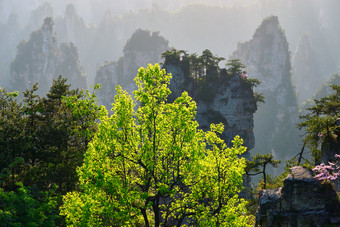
column 258, row 164
column 153, row 166
column 319, row 124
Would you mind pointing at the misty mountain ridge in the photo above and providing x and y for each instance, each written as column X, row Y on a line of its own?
column 227, row 22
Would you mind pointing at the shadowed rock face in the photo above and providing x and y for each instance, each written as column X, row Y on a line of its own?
column 302, row 201
column 40, row 59
column 227, row 99
column 267, row 58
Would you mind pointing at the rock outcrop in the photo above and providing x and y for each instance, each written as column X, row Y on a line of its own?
column 227, row 99
column 302, row 201
column 222, row 96
column 40, row 59
column 306, row 72
column 267, row 58
column 140, row 50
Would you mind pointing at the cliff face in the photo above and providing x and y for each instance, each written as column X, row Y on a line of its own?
column 221, row 97
column 40, row 59
column 306, row 72
column 140, row 50
column 302, row 201
column 267, row 58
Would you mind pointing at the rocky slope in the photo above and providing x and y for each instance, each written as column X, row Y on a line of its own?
column 40, row 59
column 267, row 58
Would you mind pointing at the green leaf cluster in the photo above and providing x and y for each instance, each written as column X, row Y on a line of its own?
column 149, row 164
column 26, row 207
column 42, row 142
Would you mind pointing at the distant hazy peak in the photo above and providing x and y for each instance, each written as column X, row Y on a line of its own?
column 270, row 26
column 48, row 23
column 144, row 40
column 267, row 58
column 70, row 9
column 44, row 9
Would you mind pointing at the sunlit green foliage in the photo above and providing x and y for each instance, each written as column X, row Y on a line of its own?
column 150, row 165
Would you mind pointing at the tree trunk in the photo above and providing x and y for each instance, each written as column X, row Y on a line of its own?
column 145, row 217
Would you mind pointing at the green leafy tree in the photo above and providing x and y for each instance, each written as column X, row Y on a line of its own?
column 173, row 56
column 68, row 122
column 210, row 64
column 150, row 165
column 25, row 207
column 319, row 123
column 235, row 67
column 11, row 138
column 86, row 113
column 42, row 142
column 258, row 164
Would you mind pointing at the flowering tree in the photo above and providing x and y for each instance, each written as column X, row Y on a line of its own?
column 327, row 173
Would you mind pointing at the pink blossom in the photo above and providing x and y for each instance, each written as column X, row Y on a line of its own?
column 327, row 172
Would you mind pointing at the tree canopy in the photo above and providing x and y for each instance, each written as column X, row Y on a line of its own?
column 319, row 123
column 42, row 142
column 149, row 164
